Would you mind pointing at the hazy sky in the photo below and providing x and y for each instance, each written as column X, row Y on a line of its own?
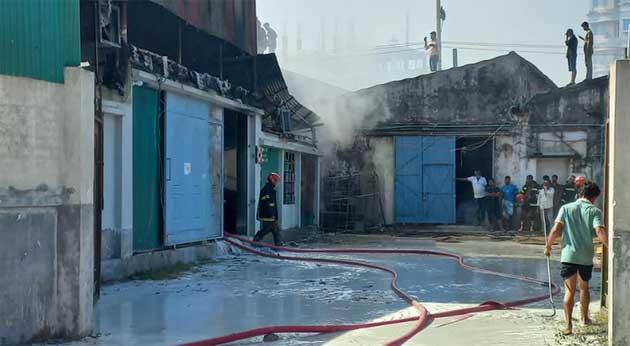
column 377, row 22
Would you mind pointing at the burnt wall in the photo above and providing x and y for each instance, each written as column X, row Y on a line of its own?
column 479, row 93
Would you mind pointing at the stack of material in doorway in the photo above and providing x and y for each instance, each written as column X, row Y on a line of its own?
column 353, row 203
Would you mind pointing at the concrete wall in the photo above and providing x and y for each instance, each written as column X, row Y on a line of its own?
column 480, row 93
column 117, row 225
column 619, row 202
column 510, row 158
column 46, row 207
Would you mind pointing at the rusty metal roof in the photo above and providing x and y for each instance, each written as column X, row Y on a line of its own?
column 274, row 90
column 231, row 20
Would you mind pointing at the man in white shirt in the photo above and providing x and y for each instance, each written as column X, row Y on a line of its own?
column 545, row 201
column 479, row 184
column 433, row 50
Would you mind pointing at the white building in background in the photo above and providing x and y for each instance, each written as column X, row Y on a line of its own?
column 609, row 20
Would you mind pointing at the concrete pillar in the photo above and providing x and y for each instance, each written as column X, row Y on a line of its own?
column 619, row 200
column 46, row 207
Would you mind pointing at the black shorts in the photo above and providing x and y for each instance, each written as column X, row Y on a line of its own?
column 569, row 269
column 572, row 60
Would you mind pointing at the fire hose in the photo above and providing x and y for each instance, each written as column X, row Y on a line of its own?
column 423, row 318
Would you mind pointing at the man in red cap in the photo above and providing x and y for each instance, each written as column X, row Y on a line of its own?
column 268, row 210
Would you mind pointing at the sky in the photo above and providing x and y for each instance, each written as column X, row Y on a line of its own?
column 378, row 22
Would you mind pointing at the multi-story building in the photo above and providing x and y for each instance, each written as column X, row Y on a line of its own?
column 609, row 20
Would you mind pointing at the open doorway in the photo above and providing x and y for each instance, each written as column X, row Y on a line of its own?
column 235, row 165
column 308, row 190
column 472, row 153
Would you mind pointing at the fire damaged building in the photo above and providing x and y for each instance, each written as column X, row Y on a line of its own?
column 133, row 133
column 502, row 116
column 191, row 120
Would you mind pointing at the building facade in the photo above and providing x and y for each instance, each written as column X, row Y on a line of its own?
column 501, row 116
column 184, row 129
column 134, row 135
column 609, row 20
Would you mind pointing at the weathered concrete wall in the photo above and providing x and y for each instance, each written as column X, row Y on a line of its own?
column 478, row 93
column 619, row 202
column 570, row 121
column 510, row 158
column 46, row 207
column 381, row 153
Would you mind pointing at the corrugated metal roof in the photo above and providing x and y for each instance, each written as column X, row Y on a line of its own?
column 231, row 20
column 39, row 37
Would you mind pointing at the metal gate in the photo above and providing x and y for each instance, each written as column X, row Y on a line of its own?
column 424, row 181
column 186, row 170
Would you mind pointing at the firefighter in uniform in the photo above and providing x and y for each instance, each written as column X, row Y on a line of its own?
column 530, row 216
column 568, row 191
column 268, row 210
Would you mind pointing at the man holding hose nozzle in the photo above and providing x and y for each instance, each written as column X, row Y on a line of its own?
column 576, row 222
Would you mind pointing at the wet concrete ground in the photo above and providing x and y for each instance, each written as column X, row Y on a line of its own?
column 243, row 291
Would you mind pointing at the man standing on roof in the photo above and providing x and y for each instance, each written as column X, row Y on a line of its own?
column 268, row 210
column 572, row 43
column 588, row 50
column 577, row 222
column 433, row 50
column 272, row 38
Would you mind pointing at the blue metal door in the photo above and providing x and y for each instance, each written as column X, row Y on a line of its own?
column 438, row 179
column 408, row 180
column 424, row 179
column 187, row 166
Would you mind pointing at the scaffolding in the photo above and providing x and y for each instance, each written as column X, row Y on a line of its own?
column 352, row 203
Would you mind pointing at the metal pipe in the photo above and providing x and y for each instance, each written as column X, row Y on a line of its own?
column 438, row 31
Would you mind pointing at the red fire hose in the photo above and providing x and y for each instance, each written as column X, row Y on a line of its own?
column 422, row 319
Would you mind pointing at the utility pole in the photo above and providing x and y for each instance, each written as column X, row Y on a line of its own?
column 438, row 22
column 407, row 30
column 455, row 63
column 628, row 47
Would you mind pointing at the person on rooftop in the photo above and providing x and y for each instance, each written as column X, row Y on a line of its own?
column 588, row 49
column 572, row 44
column 433, row 50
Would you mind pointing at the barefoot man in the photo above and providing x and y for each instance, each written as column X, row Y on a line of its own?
column 576, row 222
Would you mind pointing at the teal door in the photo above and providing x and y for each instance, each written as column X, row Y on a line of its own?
column 270, row 163
column 146, row 176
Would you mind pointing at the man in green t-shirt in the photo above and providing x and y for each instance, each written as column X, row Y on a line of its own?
column 576, row 222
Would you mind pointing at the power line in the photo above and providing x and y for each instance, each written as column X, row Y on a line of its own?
column 490, row 44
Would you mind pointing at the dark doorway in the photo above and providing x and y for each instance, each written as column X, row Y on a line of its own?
column 235, row 165
column 472, row 153
column 308, row 185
